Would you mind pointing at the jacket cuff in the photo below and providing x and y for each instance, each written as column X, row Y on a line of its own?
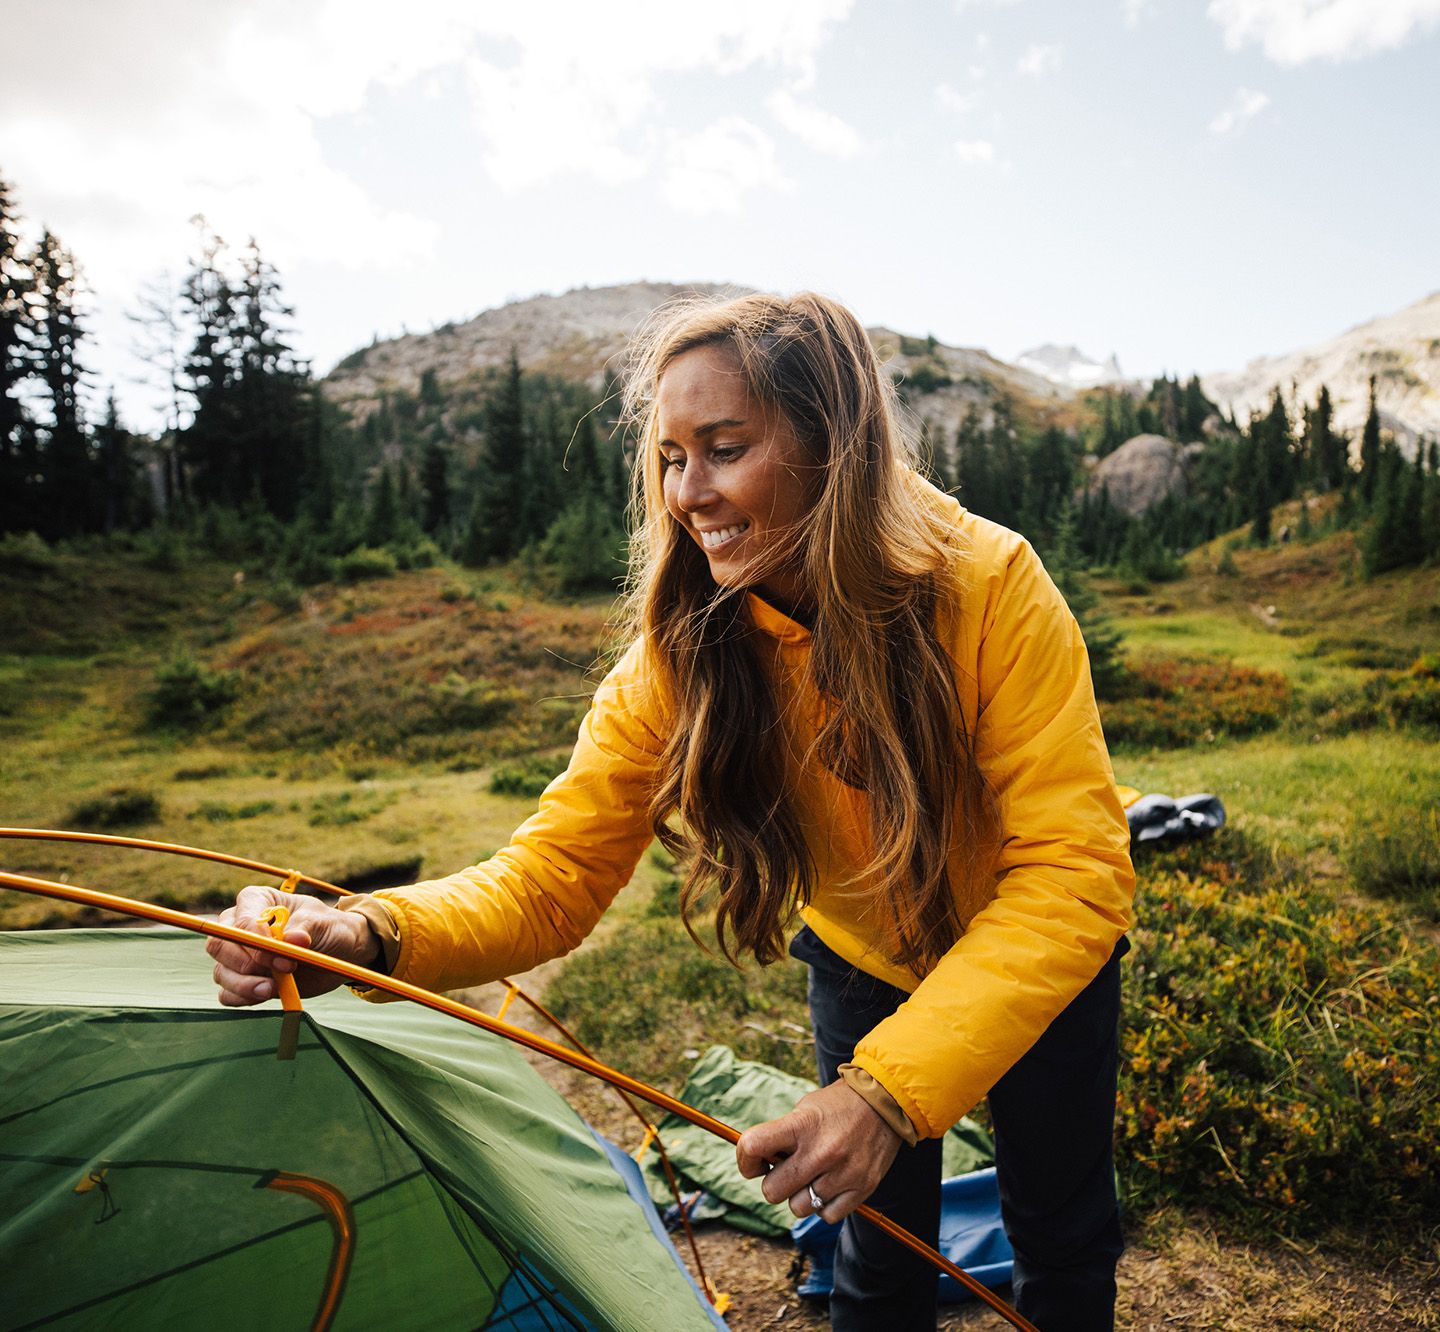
column 865, row 1086
column 383, row 926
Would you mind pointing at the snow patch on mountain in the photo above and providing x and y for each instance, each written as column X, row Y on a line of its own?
column 1070, row 366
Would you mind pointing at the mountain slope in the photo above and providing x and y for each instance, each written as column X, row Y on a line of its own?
column 1402, row 351
column 582, row 334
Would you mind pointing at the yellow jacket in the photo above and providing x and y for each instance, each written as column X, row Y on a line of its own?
column 1039, row 927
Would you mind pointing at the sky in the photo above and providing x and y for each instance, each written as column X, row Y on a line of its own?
column 1188, row 184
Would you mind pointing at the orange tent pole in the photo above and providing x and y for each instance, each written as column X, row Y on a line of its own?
column 404, row 990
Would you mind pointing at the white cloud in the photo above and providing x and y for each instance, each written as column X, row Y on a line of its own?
column 712, row 171
column 962, row 5
column 166, row 108
column 1292, row 32
column 1244, row 106
column 952, row 99
column 1134, row 11
column 975, row 151
column 817, row 128
column 1038, row 61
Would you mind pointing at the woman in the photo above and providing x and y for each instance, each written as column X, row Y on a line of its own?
column 846, row 697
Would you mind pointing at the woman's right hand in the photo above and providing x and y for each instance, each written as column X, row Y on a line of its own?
column 246, row 975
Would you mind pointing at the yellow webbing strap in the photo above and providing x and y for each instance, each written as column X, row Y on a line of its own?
column 511, row 990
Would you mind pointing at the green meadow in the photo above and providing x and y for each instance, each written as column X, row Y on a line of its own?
column 1282, row 1037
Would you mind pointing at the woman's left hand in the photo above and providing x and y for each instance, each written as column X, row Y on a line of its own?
column 832, row 1142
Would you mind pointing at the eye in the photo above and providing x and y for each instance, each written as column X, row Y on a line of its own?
column 724, row 453
column 667, row 462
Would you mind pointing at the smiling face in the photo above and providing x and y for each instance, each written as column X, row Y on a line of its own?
column 734, row 472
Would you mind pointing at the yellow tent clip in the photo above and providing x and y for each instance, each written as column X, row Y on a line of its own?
column 276, row 918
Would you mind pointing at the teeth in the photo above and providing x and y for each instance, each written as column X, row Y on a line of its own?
column 722, row 534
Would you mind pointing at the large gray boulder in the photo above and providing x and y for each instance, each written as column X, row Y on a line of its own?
column 1140, row 473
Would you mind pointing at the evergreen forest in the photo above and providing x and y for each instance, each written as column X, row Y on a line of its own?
column 515, row 465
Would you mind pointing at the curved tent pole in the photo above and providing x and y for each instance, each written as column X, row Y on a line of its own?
column 358, row 975
column 294, row 878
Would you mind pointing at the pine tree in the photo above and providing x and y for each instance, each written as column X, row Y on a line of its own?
column 69, row 485
column 273, row 405
column 1328, row 454
column 383, row 519
column 1276, row 451
column 17, row 435
column 122, row 502
column 1195, row 410
column 1103, row 641
column 434, row 487
column 1370, row 453
column 495, row 531
column 211, row 471
column 1430, row 504
column 1393, row 539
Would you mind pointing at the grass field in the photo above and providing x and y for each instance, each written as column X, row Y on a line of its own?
column 353, row 731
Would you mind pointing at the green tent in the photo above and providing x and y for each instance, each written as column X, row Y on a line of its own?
column 161, row 1168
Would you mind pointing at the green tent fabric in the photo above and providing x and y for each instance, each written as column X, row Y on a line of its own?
column 142, row 1128
column 743, row 1093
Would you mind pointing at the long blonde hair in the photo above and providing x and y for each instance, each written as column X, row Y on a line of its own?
column 873, row 557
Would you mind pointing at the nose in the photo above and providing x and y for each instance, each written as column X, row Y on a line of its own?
column 696, row 488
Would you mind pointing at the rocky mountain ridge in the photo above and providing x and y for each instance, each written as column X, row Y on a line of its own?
column 1402, row 351
column 581, row 335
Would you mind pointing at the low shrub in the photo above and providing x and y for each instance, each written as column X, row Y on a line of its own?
column 120, row 807
column 162, row 547
column 1402, row 700
column 420, row 553
column 285, row 596
column 187, row 694
column 1173, row 701
column 1280, row 1054
column 529, row 777
column 215, row 811
column 365, row 562
column 586, row 546
column 1413, row 699
column 26, row 550
column 335, row 811
column 461, row 704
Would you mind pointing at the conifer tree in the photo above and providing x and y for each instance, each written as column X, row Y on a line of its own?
column 1370, row 453
column 1103, row 641
column 1393, row 539
column 1276, row 451
column 1195, row 410
column 209, row 465
column 273, row 404
column 17, row 437
column 434, row 486
column 69, row 489
column 382, row 520
column 121, row 502
column 1430, row 503
column 500, row 504
column 1326, row 449
column 1260, row 496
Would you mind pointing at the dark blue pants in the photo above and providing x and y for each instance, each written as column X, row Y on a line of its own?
column 1053, row 1114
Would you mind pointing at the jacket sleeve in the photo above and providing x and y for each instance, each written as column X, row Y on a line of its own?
column 544, row 892
column 1064, row 879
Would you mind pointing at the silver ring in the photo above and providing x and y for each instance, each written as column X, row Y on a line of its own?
column 816, row 1201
